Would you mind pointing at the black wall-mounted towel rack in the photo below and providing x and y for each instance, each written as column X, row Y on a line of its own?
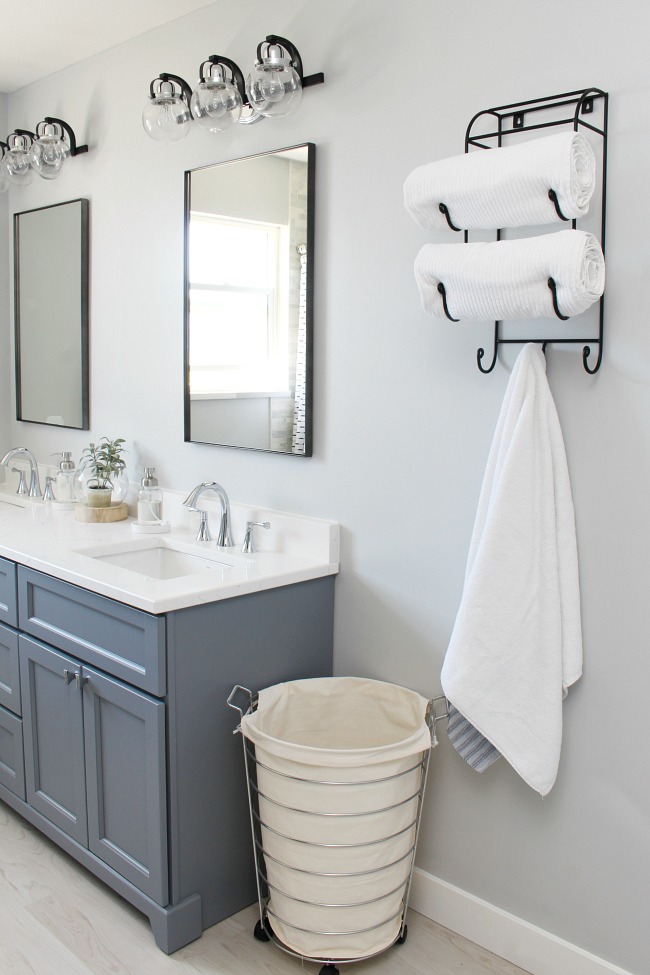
column 488, row 129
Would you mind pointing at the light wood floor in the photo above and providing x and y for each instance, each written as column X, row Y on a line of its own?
column 56, row 919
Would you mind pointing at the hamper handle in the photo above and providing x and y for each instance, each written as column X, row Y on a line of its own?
column 230, row 701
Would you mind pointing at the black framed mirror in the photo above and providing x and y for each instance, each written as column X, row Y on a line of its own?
column 249, row 243
column 51, row 314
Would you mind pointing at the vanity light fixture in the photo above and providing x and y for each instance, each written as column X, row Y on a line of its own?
column 273, row 89
column 16, row 162
column 218, row 99
column 166, row 115
column 43, row 151
column 275, row 84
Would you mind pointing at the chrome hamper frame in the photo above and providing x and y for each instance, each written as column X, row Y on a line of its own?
column 264, row 928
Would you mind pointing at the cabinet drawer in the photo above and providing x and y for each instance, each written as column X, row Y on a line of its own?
column 8, row 612
column 12, row 767
column 9, row 670
column 119, row 639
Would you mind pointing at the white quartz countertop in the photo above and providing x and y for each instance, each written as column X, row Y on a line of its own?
column 46, row 537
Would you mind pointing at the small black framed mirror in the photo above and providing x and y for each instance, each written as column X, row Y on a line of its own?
column 249, row 246
column 51, row 278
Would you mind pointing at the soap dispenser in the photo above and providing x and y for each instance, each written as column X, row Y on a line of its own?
column 64, row 492
column 150, row 513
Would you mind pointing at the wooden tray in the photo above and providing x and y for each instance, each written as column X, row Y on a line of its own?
column 116, row 512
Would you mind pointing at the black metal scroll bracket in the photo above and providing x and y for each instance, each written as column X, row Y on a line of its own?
column 445, row 210
column 586, row 352
column 443, row 293
column 552, row 285
column 552, row 195
column 568, row 109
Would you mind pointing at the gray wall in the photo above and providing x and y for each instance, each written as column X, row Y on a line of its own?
column 403, row 418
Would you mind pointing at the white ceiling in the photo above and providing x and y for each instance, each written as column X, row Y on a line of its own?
column 39, row 37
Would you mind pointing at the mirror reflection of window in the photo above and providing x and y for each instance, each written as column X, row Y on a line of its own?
column 238, row 285
column 249, row 301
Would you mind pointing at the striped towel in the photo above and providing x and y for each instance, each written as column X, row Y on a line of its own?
column 469, row 742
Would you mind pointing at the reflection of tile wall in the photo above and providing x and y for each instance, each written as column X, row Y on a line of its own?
column 298, row 224
column 281, row 420
column 298, row 436
column 281, row 423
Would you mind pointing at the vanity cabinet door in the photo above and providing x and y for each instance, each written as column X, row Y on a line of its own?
column 126, row 782
column 12, row 766
column 55, row 780
column 8, row 610
column 9, row 671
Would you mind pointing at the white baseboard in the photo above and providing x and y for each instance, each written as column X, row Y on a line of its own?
column 531, row 948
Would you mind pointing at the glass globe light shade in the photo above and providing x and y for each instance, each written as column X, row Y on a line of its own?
column 48, row 154
column 274, row 87
column 166, row 116
column 17, row 165
column 216, row 104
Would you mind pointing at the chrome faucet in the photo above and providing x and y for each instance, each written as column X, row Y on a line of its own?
column 18, row 453
column 224, row 538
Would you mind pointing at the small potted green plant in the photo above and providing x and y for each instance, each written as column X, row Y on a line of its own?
column 102, row 464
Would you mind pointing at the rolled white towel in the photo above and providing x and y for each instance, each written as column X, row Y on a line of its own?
column 508, row 279
column 506, row 187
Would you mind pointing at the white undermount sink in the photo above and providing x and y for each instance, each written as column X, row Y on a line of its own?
column 157, row 558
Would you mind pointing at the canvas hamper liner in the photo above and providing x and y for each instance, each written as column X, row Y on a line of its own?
column 339, row 764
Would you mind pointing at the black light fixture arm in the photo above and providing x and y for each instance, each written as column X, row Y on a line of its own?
column 166, row 76
column 235, row 72
column 307, row 82
column 75, row 150
column 30, row 135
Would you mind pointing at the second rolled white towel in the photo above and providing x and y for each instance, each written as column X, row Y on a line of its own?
column 505, row 187
column 508, row 279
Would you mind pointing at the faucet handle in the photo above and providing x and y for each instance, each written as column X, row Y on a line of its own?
column 248, row 547
column 22, row 485
column 203, row 534
column 48, row 493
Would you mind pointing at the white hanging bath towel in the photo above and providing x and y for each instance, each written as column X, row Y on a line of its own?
column 505, row 187
column 516, row 646
column 508, row 279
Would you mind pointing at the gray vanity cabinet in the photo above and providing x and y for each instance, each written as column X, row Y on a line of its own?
column 94, row 763
column 130, row 762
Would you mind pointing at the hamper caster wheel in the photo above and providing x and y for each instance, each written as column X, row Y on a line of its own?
column 329, row 970
column 260, row 933
column 402, row 935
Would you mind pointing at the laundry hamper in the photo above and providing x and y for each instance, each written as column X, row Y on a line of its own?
column 336, row 770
